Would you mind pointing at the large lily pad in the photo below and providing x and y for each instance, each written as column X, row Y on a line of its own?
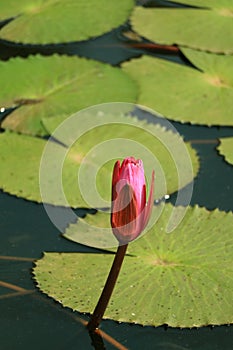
column 183, row 279
column 42, row 21
column 58, row 85
column 226, row 149
column 207, row 29
column 95, row 230
column 185, row 94
column 90, row 161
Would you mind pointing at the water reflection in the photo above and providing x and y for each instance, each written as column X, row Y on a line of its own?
column 97, row 341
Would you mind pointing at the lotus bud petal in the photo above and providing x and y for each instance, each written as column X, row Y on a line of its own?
column 130, row 213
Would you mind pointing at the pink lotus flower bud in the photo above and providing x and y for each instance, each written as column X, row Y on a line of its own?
column 130, row 213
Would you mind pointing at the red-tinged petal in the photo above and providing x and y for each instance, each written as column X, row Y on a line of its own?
column 116, row 172
column 115, row 178
column 130, row 213
column 124, row 207
column 124, row 217
column 128, row 160
column 132, row 171
column 143, row 197
column 149, row 206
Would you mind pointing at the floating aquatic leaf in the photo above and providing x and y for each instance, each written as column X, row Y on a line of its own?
column 174, row 161
column 94, row 231
column 58, row 85
column 45, row 22
column 226, row 149
column 207, row 29
column 90, row 161
column 183, row 279
column 200, row 96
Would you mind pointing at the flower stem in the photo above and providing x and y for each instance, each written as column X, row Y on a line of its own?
column 108, row 289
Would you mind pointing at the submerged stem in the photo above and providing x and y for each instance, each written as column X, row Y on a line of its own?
column 108, row 289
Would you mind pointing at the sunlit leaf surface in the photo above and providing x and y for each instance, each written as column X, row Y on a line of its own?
column 207, row 28
column 175, row 162
column 58, row 85
column 199, row 96
column 56, row 21
column 183, row 279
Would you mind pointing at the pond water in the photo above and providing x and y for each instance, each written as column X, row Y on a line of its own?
column 34, row 321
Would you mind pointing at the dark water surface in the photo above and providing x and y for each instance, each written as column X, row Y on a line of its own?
column 34, row 321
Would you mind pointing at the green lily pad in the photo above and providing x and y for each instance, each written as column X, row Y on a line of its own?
column 183, row 279
column 208, row 29
column 45, row 22
column 185, row 94
column 58, row 85
column 94, row 231
column 112, row 137
column 82, row 171
column 225, row 149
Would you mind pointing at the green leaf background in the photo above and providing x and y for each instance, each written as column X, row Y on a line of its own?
column 56, row 21
column 21, row 156
column 183, row 279
column 207, row 29
column 58, row 85
column 185, row 94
